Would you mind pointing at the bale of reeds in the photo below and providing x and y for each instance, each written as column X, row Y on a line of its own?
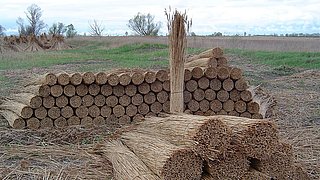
column 177, row 39
column 19, row 109
column 265, row 101
column 76, row 79
column 41, row 112
column 258, row 138
column 126, row 165
column 233, row 165
column 63, row 79
column 41, row 90
column 69, row 90
column 101, row 78
column 29, row 99
column 88, row 78
column 150, row 76
column 210, row 53
column 13, row 119
column 202, row 62
column 280, row 163
column 166, row 160
column 207, row 136
column 33, row 123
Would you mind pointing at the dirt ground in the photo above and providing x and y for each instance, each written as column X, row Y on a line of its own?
column 69, row 154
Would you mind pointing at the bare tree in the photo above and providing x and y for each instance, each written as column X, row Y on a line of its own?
column 144, row 25
column 57, row 29
column 96, row 28
column 22, row 29
column 36, row 25
column 2, row 29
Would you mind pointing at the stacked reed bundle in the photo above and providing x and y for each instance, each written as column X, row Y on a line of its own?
column 165, row 159
column 209, row 58
column 221, row 90
column 125, row 163
column 59, row 100
column 121, row 97
column 230, row 147
column 206, row 136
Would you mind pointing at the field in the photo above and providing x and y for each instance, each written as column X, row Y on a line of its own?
column 287, row 68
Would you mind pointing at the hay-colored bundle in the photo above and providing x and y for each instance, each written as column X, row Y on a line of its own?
column 178, row 41
column 126, row 165
column 233, row 165
column 280, row 164
column 13, row 119
column 28, row 99
column 258, row 138
column 208, row 91
column 166, row 160
column 202, row 62
column 210, row 53
column 41, row 90
column 19, row 109
column 265, row 101
column 33, row 46
column 33, row 43
column 45, row 79
column 207, row 136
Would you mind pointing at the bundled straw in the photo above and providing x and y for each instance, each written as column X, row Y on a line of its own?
column 207, row 136
column 258, row 138
column 166, row 160
column 126, row 165
column 178, row 41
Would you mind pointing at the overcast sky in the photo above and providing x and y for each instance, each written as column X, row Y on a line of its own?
column 209, row 16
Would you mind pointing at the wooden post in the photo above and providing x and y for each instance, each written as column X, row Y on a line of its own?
column 177, row 54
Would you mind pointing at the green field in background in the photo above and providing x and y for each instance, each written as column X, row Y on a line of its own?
column 142, row 56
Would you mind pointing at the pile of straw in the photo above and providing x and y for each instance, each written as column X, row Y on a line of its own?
column 181, row 146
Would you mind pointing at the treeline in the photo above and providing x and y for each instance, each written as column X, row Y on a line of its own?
column 33, row 25
column 140, row 24
column 219, row 34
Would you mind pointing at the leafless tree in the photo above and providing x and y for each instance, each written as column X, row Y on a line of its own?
column 96, row 28
column 144, row 25
column 36, row 25
column 57, row 29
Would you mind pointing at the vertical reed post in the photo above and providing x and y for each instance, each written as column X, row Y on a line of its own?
column 177, row 44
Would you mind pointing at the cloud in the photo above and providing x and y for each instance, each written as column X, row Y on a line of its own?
column 230, row 16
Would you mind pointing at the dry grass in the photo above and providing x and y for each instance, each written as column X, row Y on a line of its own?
column 297, row 44
column 53, row 154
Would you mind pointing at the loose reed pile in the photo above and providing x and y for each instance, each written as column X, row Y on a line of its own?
column 118, row 98
column 181, row 146
column 33, row 43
